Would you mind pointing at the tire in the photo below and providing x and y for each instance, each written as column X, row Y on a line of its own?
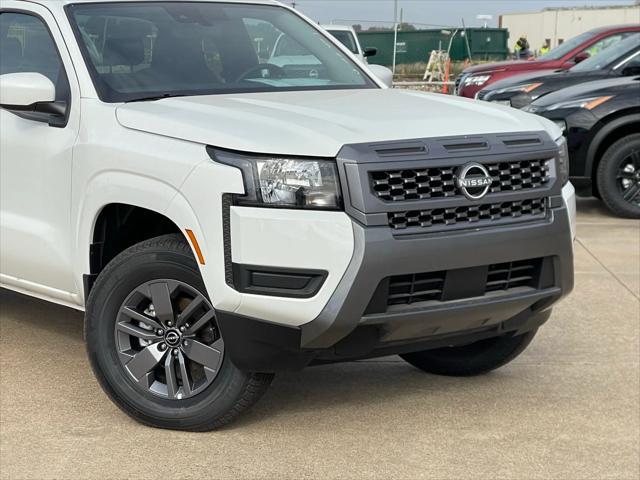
column 141, row 357
column 618, row 177
column 470, row 360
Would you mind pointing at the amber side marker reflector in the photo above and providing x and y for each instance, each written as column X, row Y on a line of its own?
column 597, row 102
column 532, row 87
column 196, row 246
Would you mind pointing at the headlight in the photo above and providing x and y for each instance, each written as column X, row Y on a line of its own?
column 586, row 103
column 563, row 160
column 476, row 80
column 529, row 87
column 273, row 181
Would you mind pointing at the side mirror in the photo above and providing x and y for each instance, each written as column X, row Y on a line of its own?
column 383, row 74
column 581, row 57
column 25, row 90
column 631, row 71
column 370, row 52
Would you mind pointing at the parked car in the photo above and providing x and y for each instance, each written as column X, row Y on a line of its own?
column 620, row 59
column 601, row 121
column 219, row 220
column 349, row 38
column 565, row 56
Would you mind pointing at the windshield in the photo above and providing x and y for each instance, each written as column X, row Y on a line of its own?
column 144, row 50
column 609, row 55
column 346, row 38
column 562, row 50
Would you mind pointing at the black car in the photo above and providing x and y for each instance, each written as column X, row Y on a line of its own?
column 620, row 59
column 601, row 121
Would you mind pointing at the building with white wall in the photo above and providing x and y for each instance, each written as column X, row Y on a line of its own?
column 560, row 24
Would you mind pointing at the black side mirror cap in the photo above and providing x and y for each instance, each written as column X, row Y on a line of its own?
column 631, row 71
column 370, row 52
column 52, row 113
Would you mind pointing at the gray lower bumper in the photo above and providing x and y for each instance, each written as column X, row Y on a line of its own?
column 379, row 255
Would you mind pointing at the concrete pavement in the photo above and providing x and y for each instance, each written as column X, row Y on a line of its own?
column 568, row 408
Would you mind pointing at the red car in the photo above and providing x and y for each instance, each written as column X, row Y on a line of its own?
column 563, row 57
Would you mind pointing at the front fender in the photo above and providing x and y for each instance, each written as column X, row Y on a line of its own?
column 110, row 187
column 602, row 134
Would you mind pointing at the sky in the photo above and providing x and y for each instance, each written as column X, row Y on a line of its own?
column 431, row 12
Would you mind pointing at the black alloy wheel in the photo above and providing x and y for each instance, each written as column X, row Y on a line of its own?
column 618, row 177
column 629, row 178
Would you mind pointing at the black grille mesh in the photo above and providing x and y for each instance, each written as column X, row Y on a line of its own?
column 467, row 214
column 504, row 276
column 439, row 182
column 419, row 287
column 423, row 287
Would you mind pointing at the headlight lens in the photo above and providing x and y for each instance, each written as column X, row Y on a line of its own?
column 586, row 103
column 563, row 160
column 529, row 87
column 476, row 80
column 273, row 181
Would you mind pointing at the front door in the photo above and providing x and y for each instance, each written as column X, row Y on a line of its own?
column 35, row 160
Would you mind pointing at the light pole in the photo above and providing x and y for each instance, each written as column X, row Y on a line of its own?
column 395, row 34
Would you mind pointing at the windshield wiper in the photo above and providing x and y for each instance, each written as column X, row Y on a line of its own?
column 153, row 98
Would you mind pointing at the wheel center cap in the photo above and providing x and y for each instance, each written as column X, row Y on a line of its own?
column 172, row 338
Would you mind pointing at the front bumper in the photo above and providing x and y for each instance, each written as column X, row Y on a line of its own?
column 403, row 273
column 349, row 328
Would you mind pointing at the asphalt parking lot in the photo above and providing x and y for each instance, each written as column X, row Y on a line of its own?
column 568, row 408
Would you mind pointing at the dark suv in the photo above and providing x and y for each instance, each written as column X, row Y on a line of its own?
column 619, row 60
column 565, row 56
column 601, row 121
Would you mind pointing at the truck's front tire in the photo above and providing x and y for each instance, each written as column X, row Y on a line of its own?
column 154, row 343
column 474, row 359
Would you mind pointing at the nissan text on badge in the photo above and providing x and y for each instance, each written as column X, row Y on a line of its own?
column 221, row 216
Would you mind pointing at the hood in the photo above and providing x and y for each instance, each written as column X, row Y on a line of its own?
column 523, row 78
column 320, row 123
column 510, row 65
column 625, row 85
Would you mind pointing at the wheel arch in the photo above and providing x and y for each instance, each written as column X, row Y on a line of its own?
column 615, row 127
column 120, row 210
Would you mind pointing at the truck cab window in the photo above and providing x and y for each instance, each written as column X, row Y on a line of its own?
column 26, row 46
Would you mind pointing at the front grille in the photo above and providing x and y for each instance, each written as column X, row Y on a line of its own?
column 467, row 214
column 439, row 182
column 451, row 285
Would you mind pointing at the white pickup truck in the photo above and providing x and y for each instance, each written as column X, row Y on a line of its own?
column 349, row 38
column 220, row 219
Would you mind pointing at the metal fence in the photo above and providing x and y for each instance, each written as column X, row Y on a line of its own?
column 416, row 46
